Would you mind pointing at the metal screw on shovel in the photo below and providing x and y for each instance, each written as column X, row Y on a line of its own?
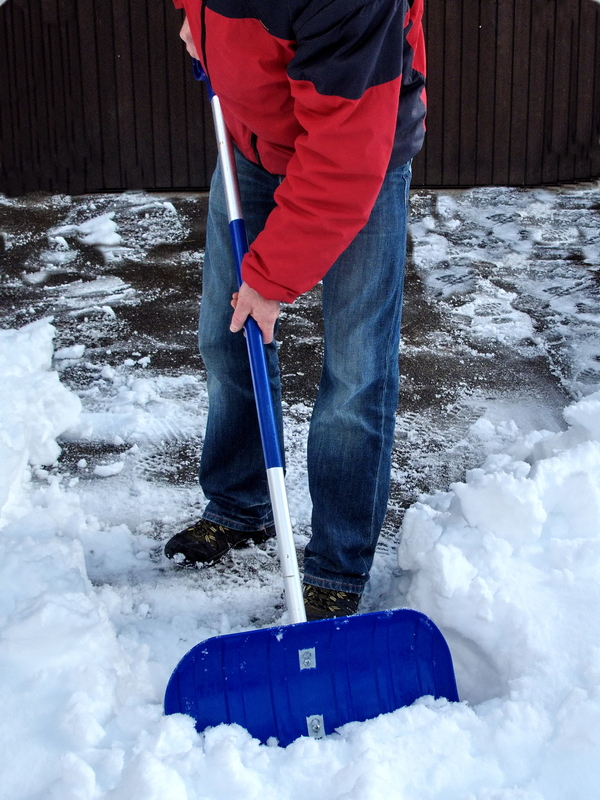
column 316, row 726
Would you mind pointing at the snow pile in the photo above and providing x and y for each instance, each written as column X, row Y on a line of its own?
column 508, row 564
column 65, row 674
column 36, row 408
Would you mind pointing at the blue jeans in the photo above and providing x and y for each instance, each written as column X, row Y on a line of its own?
column 352, row 427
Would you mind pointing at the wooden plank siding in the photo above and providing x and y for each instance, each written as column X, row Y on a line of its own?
column 514, row 93
column 97, row 95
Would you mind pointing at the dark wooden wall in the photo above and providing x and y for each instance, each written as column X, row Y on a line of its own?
column 514, row 92
column 97, row 95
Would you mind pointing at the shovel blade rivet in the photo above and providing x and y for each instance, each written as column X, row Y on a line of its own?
column 316, row 726
column 308, row 658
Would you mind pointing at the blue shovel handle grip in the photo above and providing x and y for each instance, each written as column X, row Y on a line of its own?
column 200, row 75
column 256, row 350
column 258, row 361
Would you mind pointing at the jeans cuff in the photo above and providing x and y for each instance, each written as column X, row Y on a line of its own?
column 341, row 585
column 236, row 525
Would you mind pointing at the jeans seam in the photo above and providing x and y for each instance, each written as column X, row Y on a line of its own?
column 392, row 333
column 383, row 394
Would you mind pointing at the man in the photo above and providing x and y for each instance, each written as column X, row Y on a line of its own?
column 325, row 102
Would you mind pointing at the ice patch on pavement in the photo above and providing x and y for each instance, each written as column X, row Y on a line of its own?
column 511, row 263
column 493, row 316
column 99, row 231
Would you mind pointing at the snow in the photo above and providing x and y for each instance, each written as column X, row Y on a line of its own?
column 106, row 470
column 505, row 558
column 38, row 409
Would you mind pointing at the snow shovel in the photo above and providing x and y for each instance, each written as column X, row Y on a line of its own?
column 306, row 678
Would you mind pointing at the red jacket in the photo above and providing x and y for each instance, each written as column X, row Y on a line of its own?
column 329, row 94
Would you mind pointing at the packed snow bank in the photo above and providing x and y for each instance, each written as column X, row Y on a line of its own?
column 506, row 563
column 36, row 408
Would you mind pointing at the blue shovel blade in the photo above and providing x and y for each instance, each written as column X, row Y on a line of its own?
column 313, row 677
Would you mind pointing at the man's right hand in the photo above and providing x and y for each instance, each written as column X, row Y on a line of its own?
column 186, row 35
column 249, row 303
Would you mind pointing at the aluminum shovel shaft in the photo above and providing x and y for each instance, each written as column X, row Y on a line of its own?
column 260, row 375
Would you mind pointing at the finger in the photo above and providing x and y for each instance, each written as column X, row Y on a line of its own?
column 234, row 299
column 267, row 329
column 240, row 315
column 268, row 333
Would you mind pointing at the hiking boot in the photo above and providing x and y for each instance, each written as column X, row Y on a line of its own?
column 326, row 603
column 205, row 542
